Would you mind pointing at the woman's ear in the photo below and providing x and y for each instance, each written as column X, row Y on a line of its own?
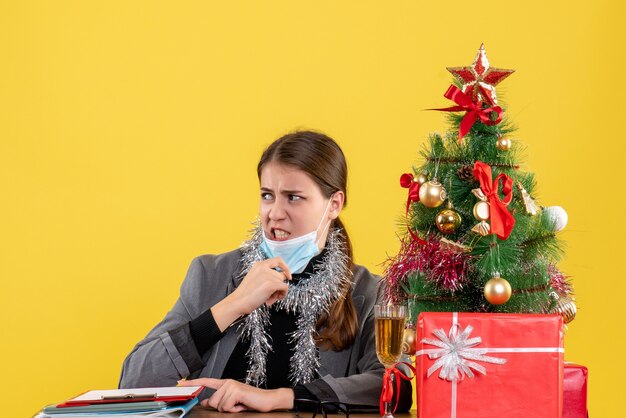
column 336, row 204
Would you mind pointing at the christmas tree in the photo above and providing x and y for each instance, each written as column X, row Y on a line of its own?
column 476, row 239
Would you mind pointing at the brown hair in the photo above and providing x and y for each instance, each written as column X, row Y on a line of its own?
column 321, row 158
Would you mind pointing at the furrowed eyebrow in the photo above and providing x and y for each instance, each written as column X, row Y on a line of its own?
column 266, row 189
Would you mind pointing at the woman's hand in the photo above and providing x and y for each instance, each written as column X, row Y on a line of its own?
column 233, row 396
column 262, row 284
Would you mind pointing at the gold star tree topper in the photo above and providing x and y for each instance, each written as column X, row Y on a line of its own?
column 479, row 79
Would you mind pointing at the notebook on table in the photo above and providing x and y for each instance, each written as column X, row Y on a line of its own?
column 165, row 394
column 169, row 402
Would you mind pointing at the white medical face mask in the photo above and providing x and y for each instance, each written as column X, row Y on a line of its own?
column 296, row 252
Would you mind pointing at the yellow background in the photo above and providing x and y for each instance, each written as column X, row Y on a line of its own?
column 130, row 132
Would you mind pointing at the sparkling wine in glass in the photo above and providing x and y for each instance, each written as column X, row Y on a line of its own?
column 389, row 328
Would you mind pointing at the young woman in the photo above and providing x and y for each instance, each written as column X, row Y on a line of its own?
column 288, row 315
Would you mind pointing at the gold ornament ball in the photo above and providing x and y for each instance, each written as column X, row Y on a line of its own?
column 481, row 211
column 497, row 291
column 565, row 307
column 409, row 342
column 448, row 221
column 432, row 194
column 421, row 179
column 503, row 143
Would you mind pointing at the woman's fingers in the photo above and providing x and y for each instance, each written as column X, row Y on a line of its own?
column 194, row 382
column 278, row 262
column 235, row 396
column 219, row 384
column 261, row 285
column 204, row 381
column 277, row 295
column 239, row 408
column 215, row 399
column 229, row 400
column 280, row 292
column 229, row 397
column 276, row 288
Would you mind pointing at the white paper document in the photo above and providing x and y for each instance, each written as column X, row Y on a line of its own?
column 176, row 391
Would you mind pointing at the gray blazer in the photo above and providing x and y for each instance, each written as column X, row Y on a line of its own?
column 354, row 374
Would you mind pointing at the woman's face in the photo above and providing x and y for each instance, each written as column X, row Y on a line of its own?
column 292, row 204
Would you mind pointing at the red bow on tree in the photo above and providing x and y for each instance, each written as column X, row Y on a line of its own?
column 474, row 110
column 502, row 221
column 408, row 182
column 386, row 395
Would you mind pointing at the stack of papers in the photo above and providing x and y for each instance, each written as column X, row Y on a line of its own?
column 170, row 402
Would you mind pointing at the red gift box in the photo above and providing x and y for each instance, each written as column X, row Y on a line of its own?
column 574, row 391
column 473, row 365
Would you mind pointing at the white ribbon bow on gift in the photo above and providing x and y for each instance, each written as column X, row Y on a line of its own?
column 456, row 353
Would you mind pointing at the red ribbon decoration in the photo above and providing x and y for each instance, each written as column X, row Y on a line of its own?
column 386, row 395
column 407, row 181
column 474, row 110
column 502, row 221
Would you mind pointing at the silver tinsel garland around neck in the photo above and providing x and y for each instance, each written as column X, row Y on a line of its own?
column 308, row 299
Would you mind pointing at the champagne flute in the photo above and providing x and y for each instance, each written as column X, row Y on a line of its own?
column 389, row 328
